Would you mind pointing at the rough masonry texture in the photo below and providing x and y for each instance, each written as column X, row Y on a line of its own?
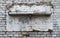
column 4, row 33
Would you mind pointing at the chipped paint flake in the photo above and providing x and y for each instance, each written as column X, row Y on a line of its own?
column 30, row 10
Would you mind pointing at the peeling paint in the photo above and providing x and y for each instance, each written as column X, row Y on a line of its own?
column 29, row 22
column 31, row 10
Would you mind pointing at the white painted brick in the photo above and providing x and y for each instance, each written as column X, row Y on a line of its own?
column 57, row 7
column 57, row 11
column 2, row 29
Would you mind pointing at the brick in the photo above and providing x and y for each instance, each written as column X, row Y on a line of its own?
column 57, row 7
column 2, row 29
column 13, row 33
column 2, row 33
column 2, row 37
column 13, row 37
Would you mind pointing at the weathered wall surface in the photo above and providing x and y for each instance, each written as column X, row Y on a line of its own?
column 9, row 34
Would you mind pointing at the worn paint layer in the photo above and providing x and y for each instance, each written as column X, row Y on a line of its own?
column 29, row 21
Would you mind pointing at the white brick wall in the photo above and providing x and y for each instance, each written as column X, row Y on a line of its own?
column 14, row 34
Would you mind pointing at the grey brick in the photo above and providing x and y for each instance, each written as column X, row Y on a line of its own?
column 13, row 37
column 2, row 33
